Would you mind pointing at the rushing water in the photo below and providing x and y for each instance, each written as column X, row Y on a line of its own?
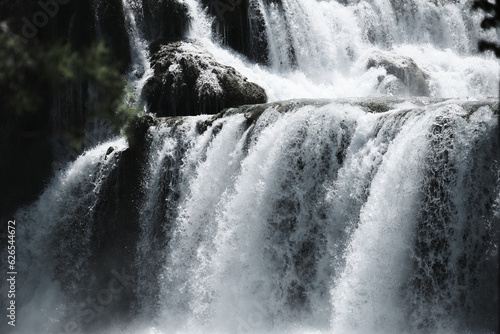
column 324, row 218
column 321, row 48
column 294, row 217
column 140, row 69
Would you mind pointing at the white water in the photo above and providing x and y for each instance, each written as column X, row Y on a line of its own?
column 53, row 240
column 140, row 69
column 99, row 130
column 325, row 219
column 321, row 219
column 274, row 234
column 333, row 42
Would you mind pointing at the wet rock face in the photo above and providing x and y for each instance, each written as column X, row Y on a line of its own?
column 404, row 77
column 114, row 32
column 188, row 81
column 163, row 19
column 241, row 26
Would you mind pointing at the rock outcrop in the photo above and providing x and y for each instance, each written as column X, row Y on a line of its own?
column 188, row 81
column 411, row 79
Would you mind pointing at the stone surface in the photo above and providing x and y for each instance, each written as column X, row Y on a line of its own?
column 404, row 69
column 188, row 81
column 241, row 26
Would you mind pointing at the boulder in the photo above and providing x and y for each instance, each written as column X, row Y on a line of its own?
column 188, row 81
column 403, row 68
column 389, row 85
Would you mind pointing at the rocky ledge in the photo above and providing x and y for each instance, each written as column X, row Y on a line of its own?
column 188, row 81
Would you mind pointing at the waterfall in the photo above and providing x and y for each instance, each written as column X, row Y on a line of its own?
column 57, row 255
column 99, row 130
column 316, row 216
column 320, row 49
column 140, row 69
column 344, row 205
column 325, row 218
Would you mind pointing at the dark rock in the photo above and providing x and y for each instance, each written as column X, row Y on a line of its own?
column 114, row 31
column 403, row 68
column 188, row 81
column 241, row 25
column 115, row 232
column 136, row 130
column 151, row 21
column 110, row 150
column 175, row 19
column 79, row 23
column 24, row 166
column 165, row 19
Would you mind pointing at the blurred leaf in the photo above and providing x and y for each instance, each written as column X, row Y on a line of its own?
column 31, row 76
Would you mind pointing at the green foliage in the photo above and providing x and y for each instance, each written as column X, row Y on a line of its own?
column 31, row 75
column 48, row 94
column 136, row 128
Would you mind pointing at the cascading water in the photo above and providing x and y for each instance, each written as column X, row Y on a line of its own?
column 64, row 218
column 99, row 130
column 320, row 49
column 326, row 219
column 306, row 216
column 140, row 69
column 316, row 217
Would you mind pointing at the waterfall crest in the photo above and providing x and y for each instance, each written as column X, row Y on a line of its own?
column 299, row 216
column 320, row 49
